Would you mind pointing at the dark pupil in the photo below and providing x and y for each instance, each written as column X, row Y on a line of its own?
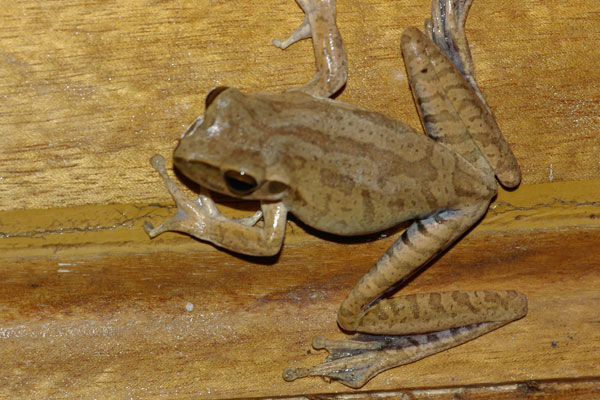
column 239, row 182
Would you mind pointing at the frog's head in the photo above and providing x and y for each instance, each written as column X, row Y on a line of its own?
column 226, row 149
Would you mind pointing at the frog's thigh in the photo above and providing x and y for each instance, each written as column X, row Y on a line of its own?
column 353, row 362
column 451, row 111
column 439, row 89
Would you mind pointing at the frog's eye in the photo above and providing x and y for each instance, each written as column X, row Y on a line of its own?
column 240, row 183
column 213, row 94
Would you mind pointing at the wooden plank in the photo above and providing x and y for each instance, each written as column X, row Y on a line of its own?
column 210, row 324
column 90, row 307
column 100, row 310
column 547, row 390
column 90, row 90
column 118, row 228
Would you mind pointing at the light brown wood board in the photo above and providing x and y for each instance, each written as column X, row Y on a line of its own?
column 90, row 90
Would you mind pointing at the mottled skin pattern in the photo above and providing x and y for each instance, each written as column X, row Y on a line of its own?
column 348, row 171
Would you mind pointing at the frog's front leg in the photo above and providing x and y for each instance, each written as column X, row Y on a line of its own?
column 203, row 220
column 330, row 56
column 400, row 330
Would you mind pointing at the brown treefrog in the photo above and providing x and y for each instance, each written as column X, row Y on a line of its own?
column 348, row 171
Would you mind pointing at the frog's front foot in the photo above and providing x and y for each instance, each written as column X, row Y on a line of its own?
column 202, row 219
column 330, row 56
column 303, row 32
column 193, row 217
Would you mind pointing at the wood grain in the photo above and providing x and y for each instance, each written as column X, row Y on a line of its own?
column 116, row 326
column 90, row 307
column 118, row 228
column 90, row 90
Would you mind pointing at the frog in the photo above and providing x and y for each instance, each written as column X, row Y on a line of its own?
column 348, row 171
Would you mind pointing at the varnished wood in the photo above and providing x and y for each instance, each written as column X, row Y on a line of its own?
column 90, row 307
column 90, row 315
column 114, row 325
column 90, row 91
column 118, row 228
column 111, row 325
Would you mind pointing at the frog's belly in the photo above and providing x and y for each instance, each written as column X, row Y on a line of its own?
column 359, row 210
column 350, row 215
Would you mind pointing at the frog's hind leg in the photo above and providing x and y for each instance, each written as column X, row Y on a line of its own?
column 446, row 29
column 392, row 328
column 451, row 105
column 355, row 361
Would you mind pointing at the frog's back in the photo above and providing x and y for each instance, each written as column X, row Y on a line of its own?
column 355, row 171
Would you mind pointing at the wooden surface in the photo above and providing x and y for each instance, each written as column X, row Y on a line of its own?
column 90, row 307
column 90, row 90
column 93, row 308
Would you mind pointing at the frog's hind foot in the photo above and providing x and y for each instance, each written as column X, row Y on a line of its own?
column 446, row 29
column 353, row 362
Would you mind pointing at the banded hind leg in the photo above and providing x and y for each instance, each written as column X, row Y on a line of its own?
column 452, row 108
column 403, row 329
